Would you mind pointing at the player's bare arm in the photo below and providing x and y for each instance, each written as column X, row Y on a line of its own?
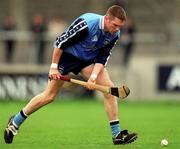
column 95, row 72
column 53, row 72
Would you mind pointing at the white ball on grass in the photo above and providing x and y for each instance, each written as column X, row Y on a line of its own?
column 164, row 142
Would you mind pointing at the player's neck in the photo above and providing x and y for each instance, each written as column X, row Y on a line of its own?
column 105, row 24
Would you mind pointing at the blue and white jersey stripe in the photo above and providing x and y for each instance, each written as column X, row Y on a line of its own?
column 71, row 32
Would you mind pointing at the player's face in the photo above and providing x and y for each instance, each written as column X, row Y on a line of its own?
column 113, row 25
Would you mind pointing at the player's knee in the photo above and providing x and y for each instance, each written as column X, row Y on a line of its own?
column 109, row 84
column 49, row 98
column 108, row 96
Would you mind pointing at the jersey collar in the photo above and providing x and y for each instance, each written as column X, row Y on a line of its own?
column 101, row 23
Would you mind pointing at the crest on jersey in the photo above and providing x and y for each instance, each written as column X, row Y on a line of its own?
column 95, row 38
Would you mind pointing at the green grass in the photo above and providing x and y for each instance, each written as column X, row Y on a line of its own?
column 83, row 125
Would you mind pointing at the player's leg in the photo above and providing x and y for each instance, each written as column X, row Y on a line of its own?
column 109, row 100
column 45, row 97
column 111, row 107
column 35, row 103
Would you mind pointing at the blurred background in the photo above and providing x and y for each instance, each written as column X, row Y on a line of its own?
column 146, row 57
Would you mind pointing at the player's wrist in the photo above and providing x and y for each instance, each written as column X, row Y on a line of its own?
column 93, row 76
column 54, row 66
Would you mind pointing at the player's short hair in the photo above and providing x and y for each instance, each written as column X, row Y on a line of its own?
column 116, row 11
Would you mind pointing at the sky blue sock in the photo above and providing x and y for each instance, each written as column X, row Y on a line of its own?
column 115, row 128
column 19, row 118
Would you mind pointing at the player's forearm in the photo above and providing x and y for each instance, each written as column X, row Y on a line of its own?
column 56, row 57
column 96, row 70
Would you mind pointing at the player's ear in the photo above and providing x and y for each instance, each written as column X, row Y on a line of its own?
column 106, row 17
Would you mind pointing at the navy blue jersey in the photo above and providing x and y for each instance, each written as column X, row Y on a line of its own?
column 85, row 38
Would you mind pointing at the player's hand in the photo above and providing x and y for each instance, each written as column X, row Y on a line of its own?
column 90, row 84
column 54, row 74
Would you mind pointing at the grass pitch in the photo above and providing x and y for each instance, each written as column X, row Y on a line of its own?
column 82, row 124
